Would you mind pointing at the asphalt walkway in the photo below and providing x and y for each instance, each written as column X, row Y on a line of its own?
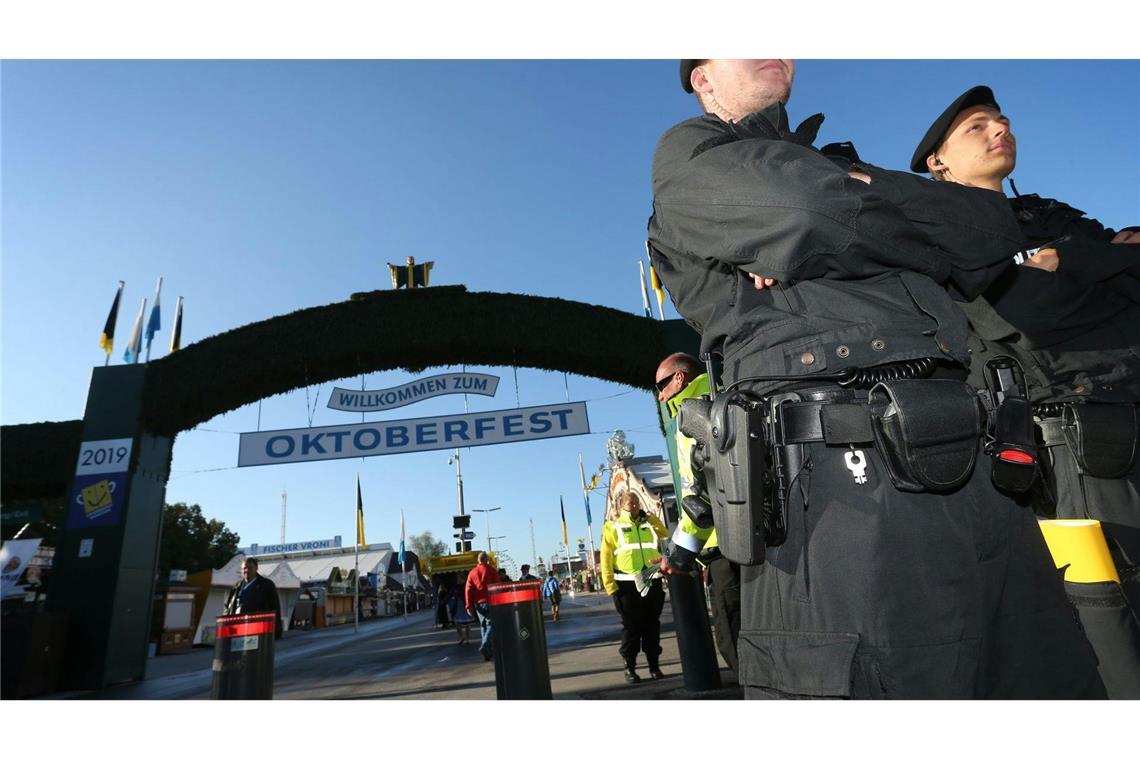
column 425, row 663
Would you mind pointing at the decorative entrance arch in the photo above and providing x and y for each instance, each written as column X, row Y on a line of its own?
column 103, row 577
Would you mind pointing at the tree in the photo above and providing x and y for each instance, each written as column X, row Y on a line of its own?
column 425, row 546
column 190, row 542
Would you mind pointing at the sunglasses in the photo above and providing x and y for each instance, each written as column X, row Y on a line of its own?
column 665, row 381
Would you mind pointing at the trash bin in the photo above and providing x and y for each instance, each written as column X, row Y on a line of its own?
column 518, row 639
column 243, row 656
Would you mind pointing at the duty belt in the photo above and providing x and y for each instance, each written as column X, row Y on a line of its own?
column 834, row 416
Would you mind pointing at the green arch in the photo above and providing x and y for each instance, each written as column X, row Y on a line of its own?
column 370, row 332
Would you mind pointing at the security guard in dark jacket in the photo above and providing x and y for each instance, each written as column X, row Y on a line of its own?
column 842, row 458
column 1069, row 311
column 254, row 593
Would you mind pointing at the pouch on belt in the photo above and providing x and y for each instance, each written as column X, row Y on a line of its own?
column 927, row 432
column 1102, row 438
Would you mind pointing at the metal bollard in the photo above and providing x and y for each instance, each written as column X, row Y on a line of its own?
column 243, row 657
column 699, row 665
column 518, row 640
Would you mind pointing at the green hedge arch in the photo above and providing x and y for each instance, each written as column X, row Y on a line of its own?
column 371, row 332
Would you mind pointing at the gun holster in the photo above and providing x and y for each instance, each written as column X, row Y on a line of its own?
column 730, row 434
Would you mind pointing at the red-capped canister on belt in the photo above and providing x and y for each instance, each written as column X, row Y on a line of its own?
column 518, row 640
column 243, row 656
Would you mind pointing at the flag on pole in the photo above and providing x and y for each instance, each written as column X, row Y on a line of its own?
column 154, row 324
column 585, row 490
column 176, row 333
column 644, row 292
column 359, row 514
column 401, row 559
column 134, row 345
column 562, row 506
column 655, row 281
column 107, row 339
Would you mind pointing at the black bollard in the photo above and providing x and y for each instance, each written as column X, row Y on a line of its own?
column 694, row 635
column 518, row 641
column 243, row 657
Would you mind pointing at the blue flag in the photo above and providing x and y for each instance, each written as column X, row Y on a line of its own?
column 154, row 324
column 401, row 558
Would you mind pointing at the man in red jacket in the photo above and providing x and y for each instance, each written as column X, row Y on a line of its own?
column 478, row 601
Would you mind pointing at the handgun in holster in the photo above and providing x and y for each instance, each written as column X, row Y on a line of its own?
column 1013, row 446
column 730, row 455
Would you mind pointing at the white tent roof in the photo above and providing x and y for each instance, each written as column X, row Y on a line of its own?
column 309, row 566
column 654, row 472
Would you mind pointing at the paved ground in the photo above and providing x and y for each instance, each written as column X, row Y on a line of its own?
column 398, row 658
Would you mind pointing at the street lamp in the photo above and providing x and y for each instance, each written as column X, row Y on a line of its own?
column 454, row 459
column 488, row 511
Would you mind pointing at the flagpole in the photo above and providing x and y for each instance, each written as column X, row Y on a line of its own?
column 569, row 569
column 403, row 565
column 589, row 522
column 356, row 592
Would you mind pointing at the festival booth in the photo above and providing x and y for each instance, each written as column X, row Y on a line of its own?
column 326, row 577
column 211, row 587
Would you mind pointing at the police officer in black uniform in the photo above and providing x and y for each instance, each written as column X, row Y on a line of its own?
column 880, row 561
column 1070, row 310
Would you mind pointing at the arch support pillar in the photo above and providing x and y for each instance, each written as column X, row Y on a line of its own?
column 103, row 578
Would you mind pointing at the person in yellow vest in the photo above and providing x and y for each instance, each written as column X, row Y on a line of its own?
column 629, row 545
column 679, row 377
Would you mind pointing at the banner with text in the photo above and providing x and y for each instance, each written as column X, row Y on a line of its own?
column 370, row 439
column 409, row 393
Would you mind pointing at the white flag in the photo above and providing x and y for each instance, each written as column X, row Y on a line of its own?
column 134, row 345
column 644, row 292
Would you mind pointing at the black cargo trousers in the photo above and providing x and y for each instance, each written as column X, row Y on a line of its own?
column 640, row 621
column 725, row 598
column 879, row 593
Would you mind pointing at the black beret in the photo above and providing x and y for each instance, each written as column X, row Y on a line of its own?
column 975, row 96
column 687, row 66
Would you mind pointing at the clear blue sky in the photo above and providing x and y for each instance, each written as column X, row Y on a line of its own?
column 258, row 188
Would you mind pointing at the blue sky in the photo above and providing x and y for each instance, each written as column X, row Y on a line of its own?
column 256, row 188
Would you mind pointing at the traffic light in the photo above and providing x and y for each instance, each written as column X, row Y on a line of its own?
column 461, row 521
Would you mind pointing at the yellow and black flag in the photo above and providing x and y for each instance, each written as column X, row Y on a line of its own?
column 359, row 515
column 107, row 339
column 176, row 334
column 410, row 275
column 565, row 539
column 655, row 283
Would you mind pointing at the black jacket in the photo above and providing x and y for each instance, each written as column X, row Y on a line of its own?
column 861, row 280
column 1077, row 326
column 260, row 596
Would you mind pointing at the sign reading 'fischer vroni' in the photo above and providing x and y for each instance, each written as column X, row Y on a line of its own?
column 371, row 439
column 409, row 393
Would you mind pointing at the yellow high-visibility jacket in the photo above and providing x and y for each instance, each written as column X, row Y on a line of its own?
column 628, row 546
column 688, row 535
